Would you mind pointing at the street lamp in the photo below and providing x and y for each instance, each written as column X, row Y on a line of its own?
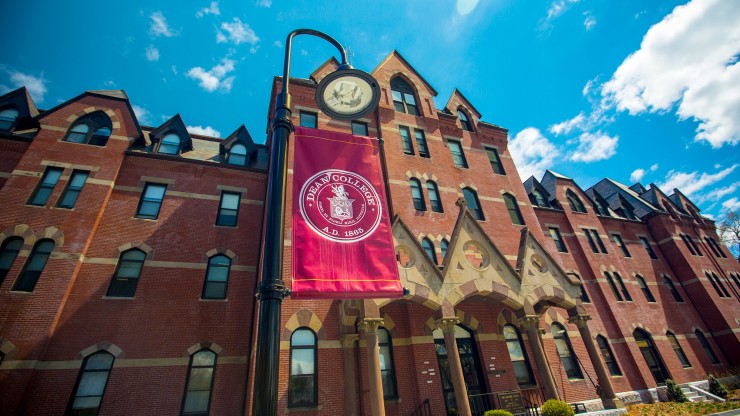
column 344, row 94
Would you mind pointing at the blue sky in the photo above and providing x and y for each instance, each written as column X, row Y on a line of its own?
column 630, row 90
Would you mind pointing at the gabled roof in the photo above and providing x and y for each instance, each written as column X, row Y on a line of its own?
column 682, row 200
column 395, row 54
column 637, row 187
column 240, row 135
column 21, row 99
column 450, row 108
column 174, row 124
column 329, row 66
column 612, row 191
column 110, row 93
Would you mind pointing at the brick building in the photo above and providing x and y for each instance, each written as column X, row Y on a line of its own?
column 129, row 258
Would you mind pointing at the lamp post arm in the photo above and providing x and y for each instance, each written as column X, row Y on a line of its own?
column 289, row 44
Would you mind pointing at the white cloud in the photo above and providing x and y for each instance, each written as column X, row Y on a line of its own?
column 590, row 22
column 211, row 9
column 654, row 167
column 236, row 32
column 690, row 183
column 304, row 52
column 215, row 78
column 278, row 44
column 732, row 204
column 152, row 53
column 174, row 69
column 637, row 175
column 159, row 27
column 264, row 3
column 142, row 114
column 36, row 86
column 687, row 62
column 204, row 131
column 718, row 193
column 567, row 126
column 587, row 87
column 532, row 152
column 559, row 7
column 593, row 147
column 466, row 6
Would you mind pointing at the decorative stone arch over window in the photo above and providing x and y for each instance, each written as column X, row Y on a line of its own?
column 218, row 250
column 415, row 175
column 389, row 325
column 469, row 321
column 414, row 91
column 642, row 326
column 51, row 233
column 507, row 317
column 427, row 177
column 128, row 246
column 8, row 349
column 203, row 345
column 92, row 125
column 23, row 231
column 552, row 315
column 464, row 185
column 303, row 318
column 111, row 348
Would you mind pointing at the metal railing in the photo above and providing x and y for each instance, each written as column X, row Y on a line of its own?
column 424, row 409
column 531, row 400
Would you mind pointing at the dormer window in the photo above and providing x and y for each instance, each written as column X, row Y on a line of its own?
column 7, row 118
column 78, row 134
column 404, row 99
column 170, row 145
column 575, row 203
column 464, row 121
column 238, row 155
column 94, row 129
column 537, row 199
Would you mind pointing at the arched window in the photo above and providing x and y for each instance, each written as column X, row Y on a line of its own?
column 217, row 277
column 8, row 252
column 651, row 355
column 387, row 371
column 518, row 356
column 613, row 286
column 565, row 351
column 471, row 198
column 428, row 246
column 199, row 385
column 677, row 349
column 94, row 129
column 238, row 155
column 717, row 285
column 31, row 272
column 443, row 247
column 404, row 99
column 434, row 200
column 416, row 195
column 464, row 120
column 513, row 207
column 609, row 360
column 707, row 348
column 303, row 384
column 127, row 273
column 625, row 292
column 576, row 205
column 676, row 295
column 600, row 205
column 170, row 145
column 537, row 199
column 91, row 383
column 7, row 118
column 645, row 289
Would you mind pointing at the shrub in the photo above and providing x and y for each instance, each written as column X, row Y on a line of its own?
column 717, row 388
column 497, row 413
column 554, row 407
column 674, row 392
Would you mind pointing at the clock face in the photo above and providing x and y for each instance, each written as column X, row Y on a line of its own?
column 347, row 94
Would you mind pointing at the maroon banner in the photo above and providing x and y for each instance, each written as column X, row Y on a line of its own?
column 342, row 241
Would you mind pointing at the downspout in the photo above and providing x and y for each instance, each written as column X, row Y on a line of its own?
column 383, row 165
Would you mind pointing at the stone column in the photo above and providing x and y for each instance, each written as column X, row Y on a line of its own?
column 608, row 397
column 369, row 327
column 447, row 325
column 531, row 325
column 350, row 374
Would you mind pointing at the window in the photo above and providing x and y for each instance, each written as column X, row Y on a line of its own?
column 100, row 136
column 649, row 249
column 513, row 208
column 404, row 99
column 428, row 246
column 734, row 277
column 35, row 264
column 613, row 286
column 408, row 148
column 558, row 239
column 416, row 195
column 565, row 351
column 151, row 201
column 48, row 182
column 537, row 199
column 575, row 203
column 8, row 252
column 443, row 245
column 593, row 240
column 716, row 248
column 199, row 385
column 471, row 198
column 126, row 276
column 217, row 277
column 626, row 210
column 717, row 284
column 691, row 249
column 94, row 129
column 619, row 243
column 7, row 118
column 707, row 348
column 228, row 210
column 625, row 292
column 303, row 386
column 170, row 145
column 308, row 119
column 584, row 294
column 693, row 244
column 359, row 128
column 434, row 200
column 609, row 360
column 678, row 350
column 238, row 155
column 458, row 157
column 495, row 161
column 91, row 383
column 387, row 372
column 464, row 121
column 668, row 282
column 74, row 187
column 518, row 356
column 645, row 289
column 600, row 205
column 421, row 142
column 78, row 133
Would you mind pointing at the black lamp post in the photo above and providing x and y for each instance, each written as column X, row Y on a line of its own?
column 345, row 94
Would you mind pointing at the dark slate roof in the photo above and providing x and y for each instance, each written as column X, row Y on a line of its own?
column 637, row 187
column 612, row 191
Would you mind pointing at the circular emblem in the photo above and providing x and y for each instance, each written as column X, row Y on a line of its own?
column 340, row 206
column 475, row 255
